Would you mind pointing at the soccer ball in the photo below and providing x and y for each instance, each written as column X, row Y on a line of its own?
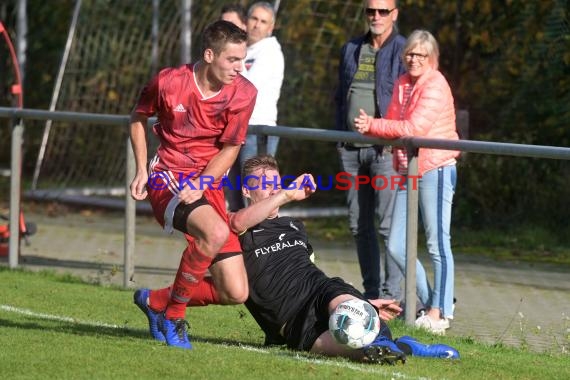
column 354, row 323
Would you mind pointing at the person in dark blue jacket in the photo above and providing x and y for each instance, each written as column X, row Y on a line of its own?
column 369, row 67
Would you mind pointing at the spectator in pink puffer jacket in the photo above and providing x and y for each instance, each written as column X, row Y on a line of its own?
column 422, row 105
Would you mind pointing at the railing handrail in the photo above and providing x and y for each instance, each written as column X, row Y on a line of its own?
column 411, row 144
column 472, row 146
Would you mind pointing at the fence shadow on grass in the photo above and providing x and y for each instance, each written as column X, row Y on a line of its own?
column 75, row 328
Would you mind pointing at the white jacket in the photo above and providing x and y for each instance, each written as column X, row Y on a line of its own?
column 264, row 67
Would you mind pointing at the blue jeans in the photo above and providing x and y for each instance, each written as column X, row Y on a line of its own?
column 248, row 150
column 436, row 189
column 364, row 205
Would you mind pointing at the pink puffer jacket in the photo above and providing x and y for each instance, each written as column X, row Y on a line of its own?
column 431, row 113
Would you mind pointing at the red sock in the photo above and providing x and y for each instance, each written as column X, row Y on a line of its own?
column 192, row 268
column 158, row 299
column 204, row 294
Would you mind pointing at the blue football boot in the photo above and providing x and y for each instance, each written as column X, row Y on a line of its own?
column 175, row 332
column 140, row 297
column 384, row 351
column 442, row 351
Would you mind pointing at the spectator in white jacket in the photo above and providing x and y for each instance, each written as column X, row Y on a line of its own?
column 264, row 67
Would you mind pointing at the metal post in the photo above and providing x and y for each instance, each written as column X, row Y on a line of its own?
column 15, row 187
column 276, row 6
column 186, row 32
column 262, row 142
column 22, row 37
column 411, row 234
column 130, row 216
column 155, row 36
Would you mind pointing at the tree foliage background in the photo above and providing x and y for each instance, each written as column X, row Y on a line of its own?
column 508, row 62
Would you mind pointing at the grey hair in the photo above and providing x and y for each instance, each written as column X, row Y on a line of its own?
column 262, row 4
column 427, row 41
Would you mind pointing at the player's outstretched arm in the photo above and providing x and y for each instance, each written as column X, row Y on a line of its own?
column 301, row 188
column 255, row 213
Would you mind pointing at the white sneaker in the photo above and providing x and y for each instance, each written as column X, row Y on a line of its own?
column 434, row 326
column 448, row 318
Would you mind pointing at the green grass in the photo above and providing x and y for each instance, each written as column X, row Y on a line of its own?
column 520, row 243
column 55, row 326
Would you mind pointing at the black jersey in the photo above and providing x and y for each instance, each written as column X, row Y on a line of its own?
column 277, row 260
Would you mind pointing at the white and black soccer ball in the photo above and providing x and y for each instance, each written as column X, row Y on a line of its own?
column 354, row 323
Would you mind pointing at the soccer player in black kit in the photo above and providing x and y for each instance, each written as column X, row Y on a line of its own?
column 290, row 298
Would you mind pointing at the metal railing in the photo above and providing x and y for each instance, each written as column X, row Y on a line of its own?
column 412, row 145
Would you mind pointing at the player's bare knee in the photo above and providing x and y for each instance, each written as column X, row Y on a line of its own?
column 235, row 296
column 240, row 297
column 233, row 292
column 217, row 237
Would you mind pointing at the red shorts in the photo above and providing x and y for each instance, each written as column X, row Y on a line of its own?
column 159, row 199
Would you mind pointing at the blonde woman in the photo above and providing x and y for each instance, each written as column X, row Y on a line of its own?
column 422, row 105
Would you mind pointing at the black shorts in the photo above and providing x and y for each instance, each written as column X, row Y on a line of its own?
column 313, row 318
column 182, row 211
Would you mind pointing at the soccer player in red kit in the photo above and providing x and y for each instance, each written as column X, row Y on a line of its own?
column 203, row 110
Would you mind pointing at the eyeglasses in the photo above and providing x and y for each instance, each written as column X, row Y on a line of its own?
column 417, row 56
column 383, row 12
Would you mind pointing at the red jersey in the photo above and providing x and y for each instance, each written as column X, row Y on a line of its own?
column 192, row 129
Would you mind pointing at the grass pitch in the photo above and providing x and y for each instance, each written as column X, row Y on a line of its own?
column 54, row 326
